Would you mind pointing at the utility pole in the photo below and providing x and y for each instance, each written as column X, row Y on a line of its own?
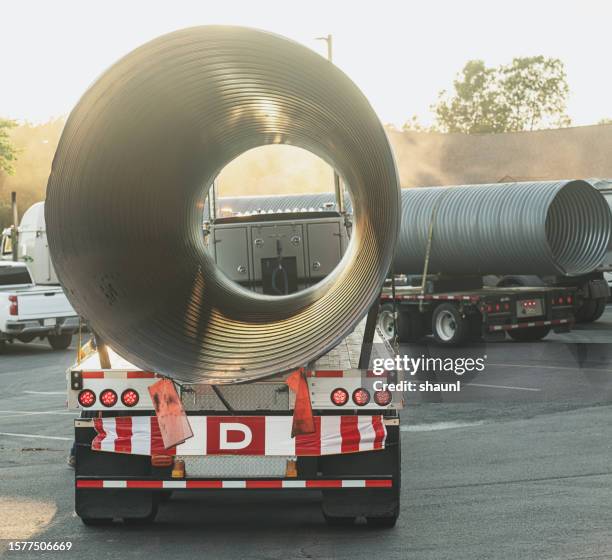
column 337, row 188
column 14, row 234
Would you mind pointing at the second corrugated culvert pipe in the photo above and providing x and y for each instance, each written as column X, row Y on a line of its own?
column 127, row 189
column 542, row 228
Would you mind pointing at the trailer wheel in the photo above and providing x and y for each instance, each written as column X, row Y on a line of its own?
column 600, row 308
column 449, row 326
column 529, row 335
column 410, row 326
column 590, row 310
column 385, row 322
column 60, row 341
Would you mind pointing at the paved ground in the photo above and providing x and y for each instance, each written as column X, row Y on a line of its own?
column 518, row 465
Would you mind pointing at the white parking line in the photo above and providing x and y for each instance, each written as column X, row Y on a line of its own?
column 34, row 436
column 537, row 366
column 501, row 387
column 17, row 413
column 435, row 426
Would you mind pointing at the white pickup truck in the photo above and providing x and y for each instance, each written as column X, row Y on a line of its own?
column 28, row 311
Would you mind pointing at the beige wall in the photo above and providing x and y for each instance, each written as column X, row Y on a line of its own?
column 426, row 159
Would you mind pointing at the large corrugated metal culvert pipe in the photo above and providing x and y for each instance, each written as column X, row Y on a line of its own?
column 126, row 194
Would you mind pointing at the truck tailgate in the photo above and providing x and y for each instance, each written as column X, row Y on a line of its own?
column 42, row 303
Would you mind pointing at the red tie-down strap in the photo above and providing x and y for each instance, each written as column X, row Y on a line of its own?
column 243, row 435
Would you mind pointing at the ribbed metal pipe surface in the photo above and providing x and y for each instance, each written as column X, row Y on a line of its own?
column 127, row 189
column 540, row 228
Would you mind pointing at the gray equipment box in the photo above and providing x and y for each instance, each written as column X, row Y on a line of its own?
column 280, row 253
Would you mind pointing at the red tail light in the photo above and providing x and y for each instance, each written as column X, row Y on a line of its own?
column 87, row 398
column 129, row 397
column 14, row 308
column 382, row 398
column 339, row 397
column 108, row 397
column 497, row 307
column 560, row 300
column 361, row 397
column 489, row 308
column 569, row 299
column 507, row 306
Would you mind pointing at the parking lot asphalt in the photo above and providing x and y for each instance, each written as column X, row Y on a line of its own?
column 518, row 464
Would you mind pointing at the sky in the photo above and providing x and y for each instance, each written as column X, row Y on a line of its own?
column 400, row 53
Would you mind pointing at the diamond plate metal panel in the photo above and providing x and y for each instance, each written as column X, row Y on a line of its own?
column 247, row 466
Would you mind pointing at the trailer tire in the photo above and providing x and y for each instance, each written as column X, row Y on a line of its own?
column 532, row 334
column 449, row 326
column 600, row 308
column 60, row 341
column 385, row 322
column 591, row 310
column 410, row 327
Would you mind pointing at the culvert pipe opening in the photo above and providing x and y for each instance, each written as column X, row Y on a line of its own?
column 578, row 228
column 126, row 194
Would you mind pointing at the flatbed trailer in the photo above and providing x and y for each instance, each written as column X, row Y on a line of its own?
column 242, row 443
column 458, row 316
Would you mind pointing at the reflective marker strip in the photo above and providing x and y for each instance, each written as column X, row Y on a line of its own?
column 527, row 325
column 116, row 374
column 234, row 484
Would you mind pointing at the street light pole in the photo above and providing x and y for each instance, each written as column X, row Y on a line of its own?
column 337, row 188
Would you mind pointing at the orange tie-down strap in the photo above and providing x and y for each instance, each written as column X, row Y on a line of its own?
column 243, row 435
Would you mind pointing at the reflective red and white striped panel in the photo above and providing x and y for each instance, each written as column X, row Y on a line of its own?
column 243, row 435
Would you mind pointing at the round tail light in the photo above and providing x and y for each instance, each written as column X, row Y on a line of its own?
column 129, row 397
column 382, row 398
column 339, row 397
column 560, row 300
column 569, row 299
column 361, row 397
column 87, row 398
column 108, row 397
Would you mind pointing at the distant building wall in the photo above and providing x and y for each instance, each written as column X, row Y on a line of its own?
column 426, row 159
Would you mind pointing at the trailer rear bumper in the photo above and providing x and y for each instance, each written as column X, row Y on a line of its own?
column 232, row 484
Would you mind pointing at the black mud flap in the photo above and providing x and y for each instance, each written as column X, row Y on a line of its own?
column 381, row 503
column 110, row 503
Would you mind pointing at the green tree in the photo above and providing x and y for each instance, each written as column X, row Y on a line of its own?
column 527, row 94
column 8, row 153
column 413, row 124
